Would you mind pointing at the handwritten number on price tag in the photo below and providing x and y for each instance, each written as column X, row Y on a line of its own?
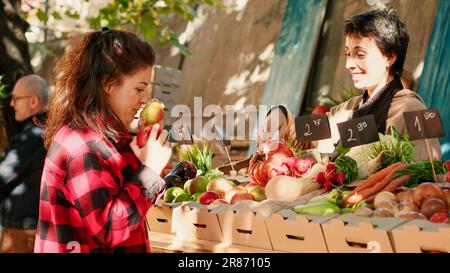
column 358, row 131
column 424, row 124
column 312, row 127
column 308, row 130
column 351, row 136
column 417, row 124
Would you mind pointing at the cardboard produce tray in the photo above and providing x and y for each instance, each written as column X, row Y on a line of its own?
column 291, row 232
column 350, row 233
column 421, row 236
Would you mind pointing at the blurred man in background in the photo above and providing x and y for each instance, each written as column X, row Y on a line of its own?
column 21, row 168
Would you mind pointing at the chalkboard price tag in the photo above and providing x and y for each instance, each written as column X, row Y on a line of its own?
column 358, row 131
column 180, row 134
column 312, row 127
column 424, row 124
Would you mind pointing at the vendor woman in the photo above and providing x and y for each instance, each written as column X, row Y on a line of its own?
column 375, row 48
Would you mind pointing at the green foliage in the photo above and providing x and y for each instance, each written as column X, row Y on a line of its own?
column 348, row 166
column 213, row 174
column 4, row 92
column 293, row 145
column 420, row 172
column 394, row 149
column 3, row 89
column 201, row 157
column 148, row 18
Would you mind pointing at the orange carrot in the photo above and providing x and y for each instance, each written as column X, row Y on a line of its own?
column 377, row 187
column 391, row 187
column 376, row 177
column 396, row 183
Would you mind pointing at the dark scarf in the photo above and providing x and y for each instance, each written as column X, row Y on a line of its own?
column 379, row 104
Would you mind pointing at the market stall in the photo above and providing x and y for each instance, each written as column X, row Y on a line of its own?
column 371, row 196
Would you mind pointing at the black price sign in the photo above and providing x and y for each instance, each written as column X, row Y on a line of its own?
column 221, row 137
column 358, row 131
column 180, row 134
column 424, row 124
column 312, row 127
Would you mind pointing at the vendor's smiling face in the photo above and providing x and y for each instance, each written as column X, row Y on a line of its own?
column 366, row 63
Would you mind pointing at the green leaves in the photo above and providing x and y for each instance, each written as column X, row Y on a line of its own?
column 202, row 158
column 421, row 171
column 348, row 166
column 3, row 90
column 394, row 147
column 150, row 18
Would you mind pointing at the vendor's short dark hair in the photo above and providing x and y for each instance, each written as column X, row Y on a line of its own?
column 388, row 31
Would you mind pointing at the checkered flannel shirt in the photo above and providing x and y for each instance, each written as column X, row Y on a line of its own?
column 94, row 196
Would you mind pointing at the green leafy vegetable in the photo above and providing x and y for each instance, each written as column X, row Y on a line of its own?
column 394, row 148
column 202, row 158
column 421, row 172
column 348, row 166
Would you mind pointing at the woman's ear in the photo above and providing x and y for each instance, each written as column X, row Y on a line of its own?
column 391, row 60
column 108, row 89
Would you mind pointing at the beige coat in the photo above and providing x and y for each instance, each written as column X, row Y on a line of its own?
column 404, row 101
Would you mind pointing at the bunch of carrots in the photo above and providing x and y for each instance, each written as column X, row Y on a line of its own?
column 383, row 180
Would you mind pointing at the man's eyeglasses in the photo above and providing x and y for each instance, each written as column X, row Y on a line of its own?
column 15, row 99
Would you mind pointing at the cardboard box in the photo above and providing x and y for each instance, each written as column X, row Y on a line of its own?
column 193, row 221
column 350, row 233
column 244, row 227
column 159, row 217
column 291, row 232
column 418, row 236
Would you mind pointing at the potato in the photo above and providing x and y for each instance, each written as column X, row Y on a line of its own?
column 382, row 213
column 364, row 211
column 405, row 196
column 407, row 206
column 387, row 205
column 384, row 196
column 425, row 191
column 433, row 205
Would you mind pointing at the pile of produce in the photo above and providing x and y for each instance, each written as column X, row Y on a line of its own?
column 337, row 174
column 426, row 201
column 393, row 177
column 388, row 150
column 193, row 180
column 329, row 203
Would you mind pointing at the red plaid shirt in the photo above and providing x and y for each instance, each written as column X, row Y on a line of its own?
column 94, row 196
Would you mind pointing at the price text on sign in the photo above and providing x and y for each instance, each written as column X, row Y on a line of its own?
column 312, row 127
column 358, row 131
column 180, row 134
column 424, row 124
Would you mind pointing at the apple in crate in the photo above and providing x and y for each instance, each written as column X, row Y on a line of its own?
column 237, row 194
column 153, row 112
column 257, row 191
column 144, row 133
column 220, row 185
column 208, row 197
column 196, row 185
